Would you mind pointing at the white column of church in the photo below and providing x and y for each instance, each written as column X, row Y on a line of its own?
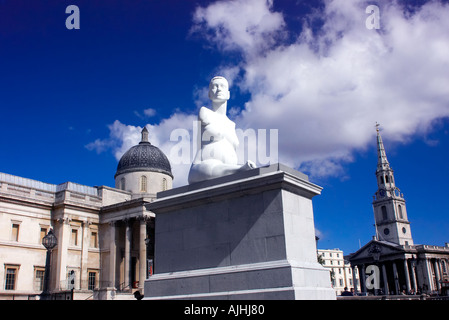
column 384, row 275
column 396, row 278
column 112, row 254
column 354, row 278
column 414, row 282
column 142, row 253
column 362, row 278
column 437, row 274
column 127, row 252
column 407, row 276
column 428, row 274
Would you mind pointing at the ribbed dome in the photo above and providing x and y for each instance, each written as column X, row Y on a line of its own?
column 144, row 157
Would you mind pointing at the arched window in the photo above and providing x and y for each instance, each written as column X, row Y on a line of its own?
column 386, row 179
column 400, row 212
column 164, row 184
column 381, row 179
column 143, row 184
column 122, row 184
column 384, row 213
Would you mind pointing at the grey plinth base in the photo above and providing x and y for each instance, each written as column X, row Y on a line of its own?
column 245, row 236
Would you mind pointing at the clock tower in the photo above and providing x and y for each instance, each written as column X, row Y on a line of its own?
column 390, row 213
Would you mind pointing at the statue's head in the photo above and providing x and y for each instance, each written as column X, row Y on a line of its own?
column 219, row 89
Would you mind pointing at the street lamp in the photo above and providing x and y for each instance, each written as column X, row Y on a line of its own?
column 49, row 242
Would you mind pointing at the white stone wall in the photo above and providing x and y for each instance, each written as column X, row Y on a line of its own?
column 154, row 184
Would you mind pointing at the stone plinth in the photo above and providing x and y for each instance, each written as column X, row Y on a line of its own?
column 249, row 235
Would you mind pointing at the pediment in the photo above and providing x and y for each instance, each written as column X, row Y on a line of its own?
column 375, row 247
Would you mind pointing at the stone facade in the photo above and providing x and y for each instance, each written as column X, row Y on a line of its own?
column 105, row 235
column 341, row 271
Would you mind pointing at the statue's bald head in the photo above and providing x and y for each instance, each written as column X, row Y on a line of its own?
column 219, row 88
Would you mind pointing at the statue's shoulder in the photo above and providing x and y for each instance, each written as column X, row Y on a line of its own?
column 205, row 114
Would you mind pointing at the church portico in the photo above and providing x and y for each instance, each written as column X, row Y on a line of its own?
column 402, row 266
column 410, row 272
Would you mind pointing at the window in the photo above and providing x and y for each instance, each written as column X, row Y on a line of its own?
column 39, row 274
column 74, row 239
column 164, row 184
column 341, row 282
column 386, row 179
column 71, row 279
column 400, row 212
column 15, row 232
column 92, row 280
column 384, row 213
column 122, row 184
column 143, row 184
column 11, row 277
column 93, row 239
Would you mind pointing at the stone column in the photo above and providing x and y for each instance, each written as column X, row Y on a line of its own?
column 396, row 279
column 385, row 278
column 362, row 278
column 437, row 274
column 127, row 261
column 84, row 255
column 354, row 278
column 61, row 260
column 407, row 275
column 112, row 254
column 142, row 253
column 413, row 275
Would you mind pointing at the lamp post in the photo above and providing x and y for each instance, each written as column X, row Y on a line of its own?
column 49, row 242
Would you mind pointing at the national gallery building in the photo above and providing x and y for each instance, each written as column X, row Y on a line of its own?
column 105, row 236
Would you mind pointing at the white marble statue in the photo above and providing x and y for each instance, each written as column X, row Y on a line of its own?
column 217, row 156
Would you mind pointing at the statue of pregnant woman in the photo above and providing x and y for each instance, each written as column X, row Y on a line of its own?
column 217, row 156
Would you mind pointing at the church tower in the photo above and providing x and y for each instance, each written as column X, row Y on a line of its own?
column 390, row 213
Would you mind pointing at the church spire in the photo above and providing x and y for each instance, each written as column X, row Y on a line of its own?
column 390, row 212
column 382, row 161
column 384, row 172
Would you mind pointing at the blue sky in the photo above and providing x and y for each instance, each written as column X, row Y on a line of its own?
column 72, row 101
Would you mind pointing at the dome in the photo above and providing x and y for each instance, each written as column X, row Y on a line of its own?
column 144, row 157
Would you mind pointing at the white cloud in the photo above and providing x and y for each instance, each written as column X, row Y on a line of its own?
column 239, row 23
column 122, row 137
column 325, row 91
column 149, row 112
